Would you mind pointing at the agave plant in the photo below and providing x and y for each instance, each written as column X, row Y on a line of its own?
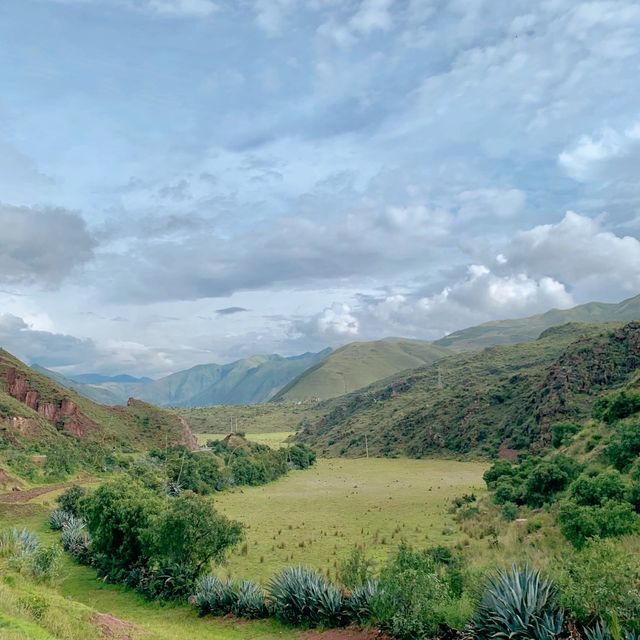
column 214, row 596
column 75, row 539
column 519, row 604
column 358, row 604
column 18, row 542
column 302, row 596
column 600, row 631
column 59, row 518
column 251, row 602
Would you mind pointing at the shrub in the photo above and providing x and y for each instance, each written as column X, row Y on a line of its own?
column 17, row 542
column 411, row 595
column 250, row 602
column 579, row 523
column 601, row 631
column 45, row 563
column 71, row 500
column 76, row 540
column 302, row 596
column 610, row 409
column 602, row 581
column 214, row 596
column 563, row 432
column 595, row 489
column 356, row 570
column 509, row 512
column 518, row 604
column 58, row 518
column 499, row 469
column 624, row 447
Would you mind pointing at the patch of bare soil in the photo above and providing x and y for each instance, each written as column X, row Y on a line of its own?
column 112, row 627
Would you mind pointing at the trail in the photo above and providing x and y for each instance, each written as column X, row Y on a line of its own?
column 22, row 497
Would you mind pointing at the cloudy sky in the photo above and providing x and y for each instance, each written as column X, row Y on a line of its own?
column 188, row 181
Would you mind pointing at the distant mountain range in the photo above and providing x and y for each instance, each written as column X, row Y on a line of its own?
column 526, row 329
column 328, row 374
column 247, row 381
column 357, row 365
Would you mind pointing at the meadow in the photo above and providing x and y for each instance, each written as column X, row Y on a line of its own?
column 311, row 517
column 315, row 517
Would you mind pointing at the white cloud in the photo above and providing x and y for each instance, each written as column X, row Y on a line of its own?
column 491, row 203
column 372, row 15
column 612, row 155
column 579, row 251
column 271, row 15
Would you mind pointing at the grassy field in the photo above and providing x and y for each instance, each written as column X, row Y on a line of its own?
column 311, row 517
column 315, row 517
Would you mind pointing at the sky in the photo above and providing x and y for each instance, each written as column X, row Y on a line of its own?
column 192, row 181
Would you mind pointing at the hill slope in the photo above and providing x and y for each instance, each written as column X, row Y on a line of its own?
column 357, row 365
column 526, row 329
column 247, row 381
column 503, row 398
column 39, row 416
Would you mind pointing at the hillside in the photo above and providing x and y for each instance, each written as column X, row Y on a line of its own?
column 357, row 365
column 501, row 399
column 503, row 332
column 247, row 381
column 38, row 416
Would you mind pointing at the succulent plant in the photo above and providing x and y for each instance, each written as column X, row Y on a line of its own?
column 251, row 601
column 58, row 519
column 215, row 596
column 358, row 604
column 519, row 604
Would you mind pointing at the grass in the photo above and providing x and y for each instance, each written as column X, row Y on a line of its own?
column 274, row 439
column 315, row 517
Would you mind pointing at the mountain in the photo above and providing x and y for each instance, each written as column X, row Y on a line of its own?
column 358, row 364
column 97, row 378
column 247, row 381
column 38, row 416
column 527, row 329
column 499, row 400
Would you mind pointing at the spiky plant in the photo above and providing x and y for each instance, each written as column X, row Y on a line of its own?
column 302, row 596
column 58, row 518
column 519, row 604
column 600, row 631
column 16, row 542
column 215, row 596
column 358, row 604
column 251, row 601
column 75, row 539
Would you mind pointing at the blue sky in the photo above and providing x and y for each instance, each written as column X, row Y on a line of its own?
column 187, row 181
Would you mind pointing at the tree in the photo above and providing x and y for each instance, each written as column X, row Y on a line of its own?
column 190, row 532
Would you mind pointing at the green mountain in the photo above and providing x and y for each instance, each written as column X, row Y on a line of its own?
column 502, row 399
column 358, row 364
column 247, row 381
column 38, row 416
column 527, row 329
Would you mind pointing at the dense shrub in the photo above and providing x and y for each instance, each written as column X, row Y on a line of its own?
column 601, row 581
column 624, row 448
column 563, row 432
column 596, row 488
column 611, row 408
column 46, row 562
column 411, row 595
column 71, row 500
column 304, row 597
column 518, row 604
column 356, row 569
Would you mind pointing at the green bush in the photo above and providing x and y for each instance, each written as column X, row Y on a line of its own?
column 359, row 603
column 518, row 604
column 46, row 562
column 563, row 432
column 601, row 581
column 509, row 512
column 624, row 448
column 355, row 570
column 71, row 500
column 412, row 595
column 302, row 596
column 616, row 407
column 58, row 518
column 596, row 488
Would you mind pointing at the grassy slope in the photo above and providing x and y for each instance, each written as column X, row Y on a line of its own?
column 500, row 395
column 502, row 332
column 139, row 426
column 358, row 364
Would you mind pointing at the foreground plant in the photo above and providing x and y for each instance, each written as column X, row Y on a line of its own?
column 519, row 604
column 214, row 596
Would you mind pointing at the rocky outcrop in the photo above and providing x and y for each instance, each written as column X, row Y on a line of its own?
column 189, row 440
column 62, row 413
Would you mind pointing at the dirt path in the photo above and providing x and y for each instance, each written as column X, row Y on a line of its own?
column 21, row 497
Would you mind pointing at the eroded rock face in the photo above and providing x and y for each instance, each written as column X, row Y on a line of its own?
column 63, row 414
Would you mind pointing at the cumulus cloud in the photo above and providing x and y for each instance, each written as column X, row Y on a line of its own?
column 580, row 251
column 334, row 325
column 611, row 155
column 41, row 246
